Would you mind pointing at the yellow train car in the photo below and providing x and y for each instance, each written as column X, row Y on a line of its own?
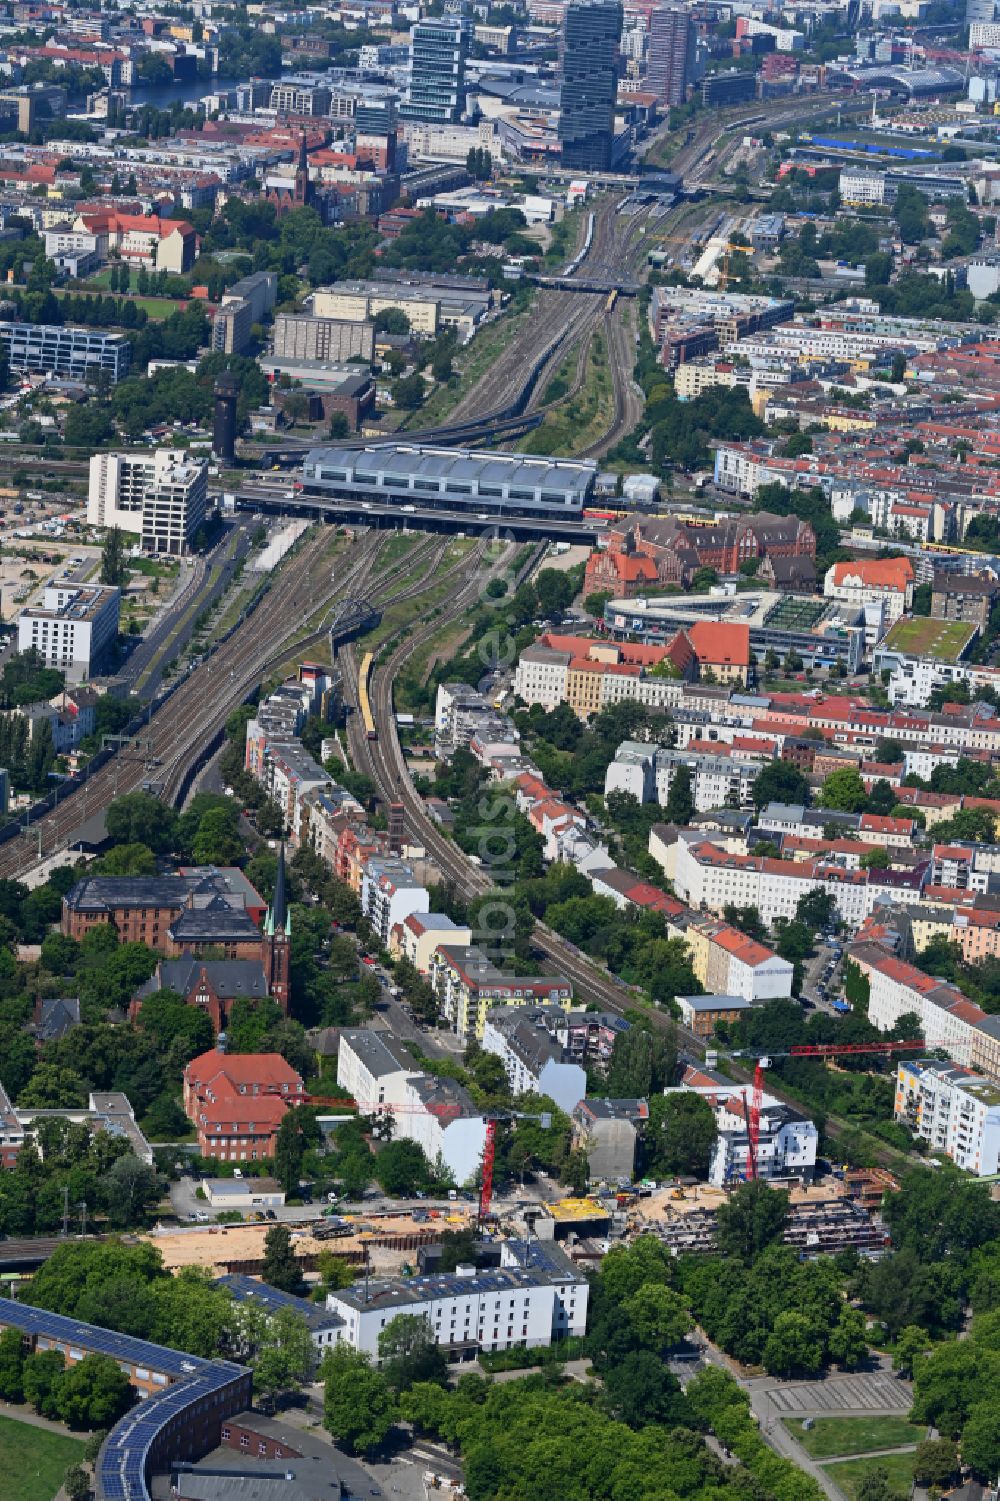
column 364, row 704
column 612, row 299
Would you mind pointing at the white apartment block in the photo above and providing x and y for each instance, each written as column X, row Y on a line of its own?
column 390, row 893
column 436, row 1114
column 161, row 496
column 648, row 773
column 531, row 1042
column 947, row 1019
column 889, row 584
column 536, row 1296
column 709, row 879
column 862, row 188
column 74, row 628
column 954, row 1110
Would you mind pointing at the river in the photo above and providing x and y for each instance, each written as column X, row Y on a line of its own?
column 188, row 91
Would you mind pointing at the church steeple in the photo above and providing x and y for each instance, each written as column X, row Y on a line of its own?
column 278, row 917
column 277, row 932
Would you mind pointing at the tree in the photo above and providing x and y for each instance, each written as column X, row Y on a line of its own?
column 295, row 407
column 401, row 1168
column 981, row 1440
column 753, row 1217
column 76, row 1483
column 280, row 1268
column 844, row 790
column 659, row 1317
column 408, row 393
column 935, row 1462
column 114, row 568
column 680, row 800
column 128, row 1188
column 877, row 858
column 93, row 1393
column 408, row 1352
column 285, row 1355
column 848, row 1342
column 11, row 1366
column 816, row 908
column 139, row 818
column 640, row 1390
column 339, row 426
column 911, row 1343
column 680, row 1134
column 641, row 1064
column 391, row 321
column 358, row 1405
column 780, row 782
column 216, row 842
column 793, row 1347
column 43, row 1372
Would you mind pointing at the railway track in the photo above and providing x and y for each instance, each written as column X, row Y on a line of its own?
column 178, row 729
column 384, row 760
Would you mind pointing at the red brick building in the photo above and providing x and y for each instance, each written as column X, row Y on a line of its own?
column 237, row 1101
column 678, row 549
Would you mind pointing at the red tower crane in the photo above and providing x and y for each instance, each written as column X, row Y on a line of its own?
column 752, row 1109
column 490, row 1150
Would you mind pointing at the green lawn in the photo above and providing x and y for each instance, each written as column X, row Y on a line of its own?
column 34, row 1461
column 923, row 636
column 155, row 308
column 830, row 1436
column 849, row 1473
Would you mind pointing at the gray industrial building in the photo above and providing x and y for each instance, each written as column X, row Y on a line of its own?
column 299, row 337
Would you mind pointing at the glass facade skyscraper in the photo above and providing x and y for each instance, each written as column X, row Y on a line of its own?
column 437, row 70
column 589, row 84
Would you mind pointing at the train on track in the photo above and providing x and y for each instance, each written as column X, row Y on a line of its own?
column 364, row 702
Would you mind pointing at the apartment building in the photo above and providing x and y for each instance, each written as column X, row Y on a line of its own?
column 955, row 1110
column 419, row 934
column 467, row 984
column 947, row 1018
column 610, row 1134
column 75, row 628
column 390, row 892
column 648, row 773
column 536, row 1297
column 709, row 879
column 964, row 596
column 531, row 1043
column 333, row 340
column 884, row 581
column 437, row 1114
column 244, row 304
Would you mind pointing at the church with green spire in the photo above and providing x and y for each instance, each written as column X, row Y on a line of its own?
column 277, row 938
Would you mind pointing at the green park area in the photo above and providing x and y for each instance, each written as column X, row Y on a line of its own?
column 829, row 1438
column 849, row 1475
column 34, row 1461
column 851, row 1449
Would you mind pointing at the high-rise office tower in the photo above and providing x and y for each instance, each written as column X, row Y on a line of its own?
column 589, row 86
column 438, row 49
column 670, row 63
